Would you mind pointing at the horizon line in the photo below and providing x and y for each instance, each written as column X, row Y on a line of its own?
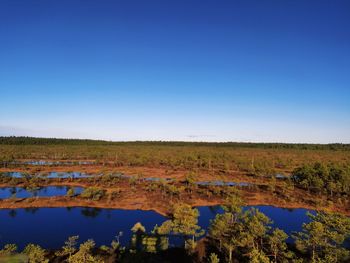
column 173, row 141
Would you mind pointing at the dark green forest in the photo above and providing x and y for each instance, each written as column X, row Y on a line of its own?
column 13, row 140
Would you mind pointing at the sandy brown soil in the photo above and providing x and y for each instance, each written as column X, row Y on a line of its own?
column 136, row 197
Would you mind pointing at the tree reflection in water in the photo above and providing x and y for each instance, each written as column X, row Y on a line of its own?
column 91, row 212
column 13, row 213
column 31, row 210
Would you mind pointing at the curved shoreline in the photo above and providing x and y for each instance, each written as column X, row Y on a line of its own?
column 54, row 202
column 137, row 196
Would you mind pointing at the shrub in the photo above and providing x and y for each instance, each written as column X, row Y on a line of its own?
column 93, row 193
column 35, row 254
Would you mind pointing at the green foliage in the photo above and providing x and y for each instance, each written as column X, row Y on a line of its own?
column 165, row 228
column 70, row 192
column 322, row 239
column 84, row 254
column 13, row 140
column 93, row 193
column 237, row 235
column 241, row 234
column 115, row 245
column 191, row 178
column 137, row 238
column 17, row 258
column 258, row 256
column 257, row 159
column 138, row 228
column 184, row 222
column 35, row 254
column 9, row 249
column 233, row 204
column 104, row 248
column 256, row 226
column 323, row 178
column 163, row 243
column 151, row 243
column 190, row 246
column 237, row 229
column 116, row 242
column 69, row 247
column 277, row 245
column 213, row 258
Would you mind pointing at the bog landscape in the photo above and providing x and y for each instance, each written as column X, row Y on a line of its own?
column 170, row 201
column 174, row 131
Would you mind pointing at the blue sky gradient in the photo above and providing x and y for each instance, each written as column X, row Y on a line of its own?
column 250, row 70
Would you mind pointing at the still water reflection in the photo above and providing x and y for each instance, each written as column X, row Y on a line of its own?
column 50, row 227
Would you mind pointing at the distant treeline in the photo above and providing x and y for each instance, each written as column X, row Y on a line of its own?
column 12, row 140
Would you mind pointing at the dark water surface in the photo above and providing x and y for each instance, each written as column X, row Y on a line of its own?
column 63, row 175
column 47, row 191
column 50, row 227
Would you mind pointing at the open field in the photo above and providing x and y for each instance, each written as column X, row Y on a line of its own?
column 178, row 163
column 214, row 158
column 162, row 176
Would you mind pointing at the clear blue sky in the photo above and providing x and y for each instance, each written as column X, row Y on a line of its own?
column 200, row 70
